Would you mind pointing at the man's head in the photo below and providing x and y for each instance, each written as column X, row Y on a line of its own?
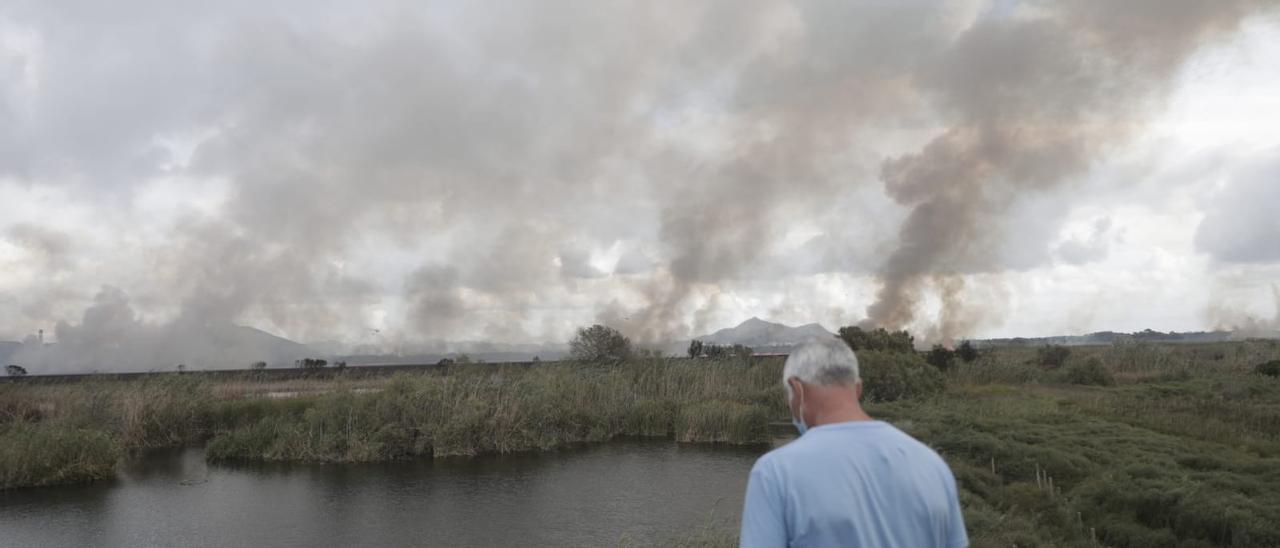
column 819, row 375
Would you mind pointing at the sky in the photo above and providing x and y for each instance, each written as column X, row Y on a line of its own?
column 399, row 172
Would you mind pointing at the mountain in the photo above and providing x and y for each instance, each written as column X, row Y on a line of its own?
column 1112, row 337
column 758, row 333
column 159, row 348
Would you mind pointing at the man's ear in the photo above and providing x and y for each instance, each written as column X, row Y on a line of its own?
column 797, row 388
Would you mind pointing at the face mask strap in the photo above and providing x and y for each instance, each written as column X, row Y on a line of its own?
column 799, row 421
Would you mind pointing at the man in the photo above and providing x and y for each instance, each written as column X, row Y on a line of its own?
column 848, row 480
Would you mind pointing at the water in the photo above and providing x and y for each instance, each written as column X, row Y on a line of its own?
column 591, row 496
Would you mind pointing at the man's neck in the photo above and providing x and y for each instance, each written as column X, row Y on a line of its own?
column 842, row 416
column 836, row 408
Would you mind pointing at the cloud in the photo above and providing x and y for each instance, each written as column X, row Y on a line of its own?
column 1241, row 225
column 52, row 247
column 461, row 165
column 1079, row 250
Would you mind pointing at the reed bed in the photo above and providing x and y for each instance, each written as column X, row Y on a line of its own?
column 459, row 410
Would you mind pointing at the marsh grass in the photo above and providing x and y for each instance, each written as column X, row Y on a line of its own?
column 1120, row 470
column 45, row 454
column 461, row 410
column 486, row 409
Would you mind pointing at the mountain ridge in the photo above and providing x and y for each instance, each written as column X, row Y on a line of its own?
column 755, row 332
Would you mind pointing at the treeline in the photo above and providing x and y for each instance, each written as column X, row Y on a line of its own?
column 699, row 349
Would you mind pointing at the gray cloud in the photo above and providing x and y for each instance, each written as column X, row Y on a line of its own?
column 493, row 149
column 52, row 247
column 1094, row 247
column 1241, row 225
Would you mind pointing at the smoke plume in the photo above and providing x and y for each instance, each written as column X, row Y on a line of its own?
column 446, row 171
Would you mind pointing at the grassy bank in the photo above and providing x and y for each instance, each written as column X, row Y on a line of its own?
column 1180, row 448
column 1123, row 445
column 459, row 410
column 1183, row 450
column 480, row 409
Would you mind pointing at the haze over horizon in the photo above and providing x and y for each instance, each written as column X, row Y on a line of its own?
column 400, row 172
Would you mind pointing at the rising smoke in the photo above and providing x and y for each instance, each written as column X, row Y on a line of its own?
column 461, row 161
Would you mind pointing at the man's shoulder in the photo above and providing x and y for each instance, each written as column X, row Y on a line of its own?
column 818, row 445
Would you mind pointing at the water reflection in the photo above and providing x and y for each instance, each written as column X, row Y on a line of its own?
column 590, row 496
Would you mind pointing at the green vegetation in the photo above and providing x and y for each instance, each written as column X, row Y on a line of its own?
column 448, row 411
column 1131, row 444
column 1270, row 369
column 1053, row 356
column 311, row 363
column 42, row 454
column 503, row 409
column 877, row 339
column 599, row 343
column 72, row 433
column 699, row 349
column 891, row 376
column 967, row 352
column 1090, row 371
column 940, row 357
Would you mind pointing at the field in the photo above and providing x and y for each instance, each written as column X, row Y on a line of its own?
column 1125, row 445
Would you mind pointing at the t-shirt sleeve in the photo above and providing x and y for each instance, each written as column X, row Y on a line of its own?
column 956, row 535
column 763, row 523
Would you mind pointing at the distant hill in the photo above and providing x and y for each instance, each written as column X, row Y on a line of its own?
column 758, row 334
column 1110, row 337
column 161, row 348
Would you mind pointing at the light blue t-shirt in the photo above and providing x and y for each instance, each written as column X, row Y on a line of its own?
column 861, row 483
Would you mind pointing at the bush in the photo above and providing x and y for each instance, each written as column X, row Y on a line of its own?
column 311, row 363
column 15, row 371
column 967, row 352
column 726, row 351
column 940, row 357
column 1053, row 356
column 599, row 343
column 889, row 376
column 877, row 339
column 1090, row 372
column 1270, row 369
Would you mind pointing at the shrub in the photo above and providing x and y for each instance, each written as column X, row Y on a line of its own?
column 726, row 351
column 1090, row 372
column 877, row 339
column 1270, row 369
column 695, row 348
column 940, row 357
column 311, row 363
column 599, row 343
column 15, row 371
column 967, row 352
column 1053, row 356
column 889, row 376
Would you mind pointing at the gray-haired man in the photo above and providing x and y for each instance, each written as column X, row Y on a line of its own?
column 848, row 480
